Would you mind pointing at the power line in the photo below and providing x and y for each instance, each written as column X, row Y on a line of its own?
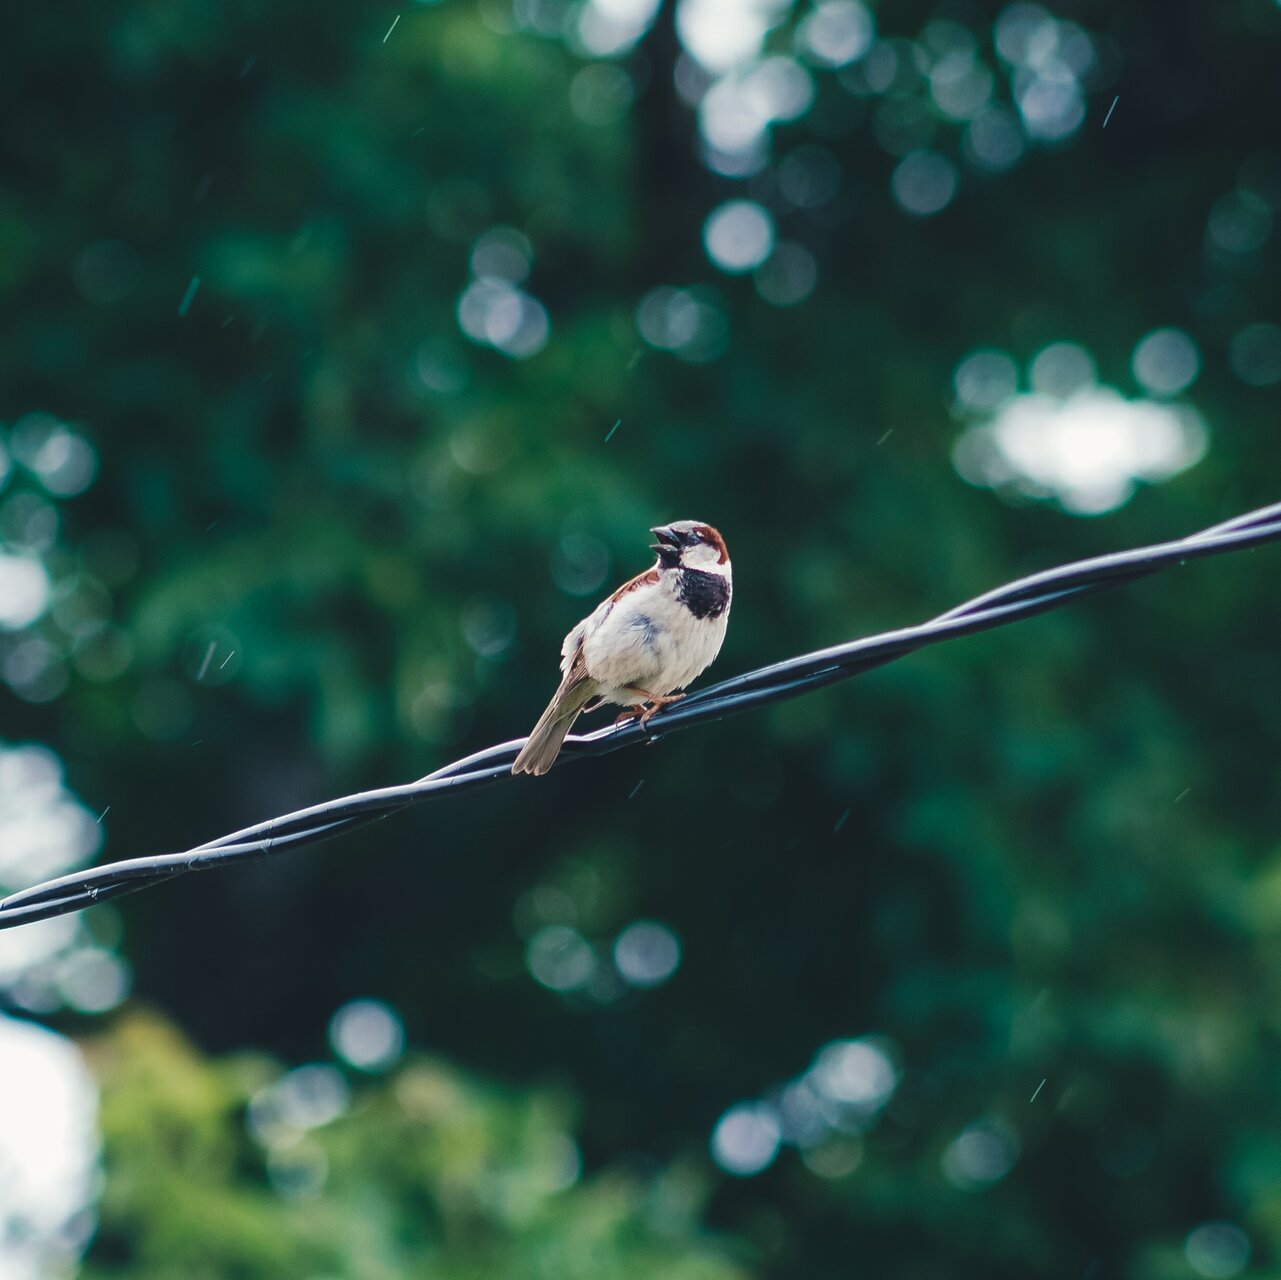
column 782, row 680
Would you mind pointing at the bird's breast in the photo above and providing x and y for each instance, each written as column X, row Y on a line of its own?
column 658, row 650
column 694, row 643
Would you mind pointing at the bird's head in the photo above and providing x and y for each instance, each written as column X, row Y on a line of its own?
column 690, row 544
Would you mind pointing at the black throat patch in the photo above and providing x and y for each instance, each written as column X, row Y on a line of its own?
column 705, row 595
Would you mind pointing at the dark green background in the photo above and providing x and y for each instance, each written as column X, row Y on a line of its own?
column 1015, row 896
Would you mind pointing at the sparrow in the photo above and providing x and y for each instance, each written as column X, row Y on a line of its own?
column 643, row 645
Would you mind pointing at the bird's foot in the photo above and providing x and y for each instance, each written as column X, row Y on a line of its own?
column 647, row 708
column 657, row 704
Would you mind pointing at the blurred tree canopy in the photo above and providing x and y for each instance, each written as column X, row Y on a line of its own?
column 347, row 356
column 470, row 1185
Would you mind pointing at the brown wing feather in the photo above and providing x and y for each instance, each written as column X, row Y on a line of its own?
column 577, row 667
column 646, row 579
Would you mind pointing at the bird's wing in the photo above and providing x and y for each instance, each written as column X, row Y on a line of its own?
column 571, row 652
column 647, row 579
column 572, row 662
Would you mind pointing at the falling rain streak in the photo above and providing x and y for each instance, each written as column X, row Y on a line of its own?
column 204, row 666
column 188, row 298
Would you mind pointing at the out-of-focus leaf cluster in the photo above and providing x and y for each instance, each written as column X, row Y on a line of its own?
column 229, row 1167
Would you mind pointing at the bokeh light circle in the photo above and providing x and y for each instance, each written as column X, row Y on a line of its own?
column 1061, row 368
column 738, row 236
column 836, row 32
column 788, row 276
column 24, row 591
column 1217, row 1250
column 1166, row 362
column 985, row 380
column 647, row 953
column 367, row 1034
column 747, row 1138
column 924, row 182
column 980, row 1155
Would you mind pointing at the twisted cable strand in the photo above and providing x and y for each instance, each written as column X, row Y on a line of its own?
column 774, row 683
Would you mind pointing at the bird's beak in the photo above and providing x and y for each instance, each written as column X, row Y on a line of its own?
column 666, row 538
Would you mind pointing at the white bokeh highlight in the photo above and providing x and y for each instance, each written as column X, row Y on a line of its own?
column 689, row 323
column 724, row 34
column 63, row 461
column 609, row 28
column 1088, row 452
column 367, row 1035
column 1070, row 438
column 1217, row 1250
column 305, row 1098
column 495, row 313
column 647, row 953
column 1061, row 369
column 836, row 32
column 822, row 1112
column 985, row 380
column 502, row 253
column 994, row 141
column 980, row 1156
column 738, row 236
column 25, row 591
column 1166, row 362
column 44, row 832
column 855, row 1073
column 924, row 182
column 48, row 1152
column 747, row 1138
column 560, row 958
column 493, row 310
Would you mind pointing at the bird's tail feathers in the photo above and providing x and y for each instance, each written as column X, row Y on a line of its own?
column 544, row 742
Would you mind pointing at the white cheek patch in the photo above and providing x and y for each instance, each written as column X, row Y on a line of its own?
column 703, row 556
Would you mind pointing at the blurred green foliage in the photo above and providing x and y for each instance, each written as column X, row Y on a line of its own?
column 333, row 542
column 428, row 1174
